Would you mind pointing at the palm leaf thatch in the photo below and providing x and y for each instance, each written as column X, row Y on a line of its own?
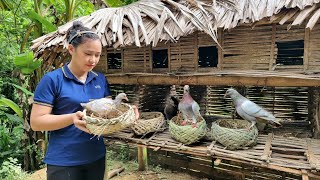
column 147, row 22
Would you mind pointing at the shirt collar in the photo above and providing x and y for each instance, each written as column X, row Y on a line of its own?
column 68, row 74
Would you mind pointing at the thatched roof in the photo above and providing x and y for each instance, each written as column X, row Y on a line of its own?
column 147, row 22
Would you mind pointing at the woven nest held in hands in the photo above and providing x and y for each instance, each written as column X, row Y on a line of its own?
column 149, row 122
column 234, row 134
column 115, row 120
column 187, row 134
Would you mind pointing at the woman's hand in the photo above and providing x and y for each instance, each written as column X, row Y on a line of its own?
column 78, row 122
column 136, row 112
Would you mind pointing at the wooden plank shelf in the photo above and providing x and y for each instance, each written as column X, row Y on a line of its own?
column 218, row 78
column 298, row 156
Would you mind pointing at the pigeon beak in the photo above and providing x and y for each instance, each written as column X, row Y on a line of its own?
column 225, row 95
column 126, row 99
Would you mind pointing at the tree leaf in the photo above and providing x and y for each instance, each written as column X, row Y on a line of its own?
column 48, row 25
column 26, row 63
column 26, row 91
column 15, row 118
column 12, row 105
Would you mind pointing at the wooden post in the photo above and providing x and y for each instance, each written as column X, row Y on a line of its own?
column 313, row 110
column 306, row 49
column 304, row 175
column 142, row 158
column 220, row 50
column 272, row 61
column 196, row 52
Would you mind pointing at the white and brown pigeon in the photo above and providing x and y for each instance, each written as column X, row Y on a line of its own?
column 249, row 110
column 189, row 108
column 104, row 105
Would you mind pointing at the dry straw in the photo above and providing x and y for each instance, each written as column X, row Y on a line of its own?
column 116, row 120
column 149, row 122
column 187, row 134
column 234, row 134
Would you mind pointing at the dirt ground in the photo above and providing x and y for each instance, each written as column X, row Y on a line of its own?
column 130, row 174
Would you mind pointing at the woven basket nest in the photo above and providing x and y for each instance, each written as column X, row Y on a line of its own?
column 187, row 134
column 115, row 120
column 149, row 122
column 234, row 134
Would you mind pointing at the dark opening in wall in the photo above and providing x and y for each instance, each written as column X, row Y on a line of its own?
column 290, row 52
column 208, row 56
column 160, row 58
column 114, row 60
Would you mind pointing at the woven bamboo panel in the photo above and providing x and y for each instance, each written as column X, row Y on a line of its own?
column 136, row 59
column 205, row 40
column 152, row 98
column 242, row 50
column 288, row 104
column 314, row 49
column 182, row 55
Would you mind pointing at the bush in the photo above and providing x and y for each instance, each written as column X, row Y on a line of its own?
column 11, row 170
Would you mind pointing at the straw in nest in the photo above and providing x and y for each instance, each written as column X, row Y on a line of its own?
column 149, row 122
column 187, row 134
column 234, row 134
column 116, row 120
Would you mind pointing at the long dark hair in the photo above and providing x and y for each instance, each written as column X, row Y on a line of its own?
column 78, row 34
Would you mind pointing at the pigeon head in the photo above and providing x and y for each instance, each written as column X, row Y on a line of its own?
column 186, row 89
column 122, row 96
column 232, row 93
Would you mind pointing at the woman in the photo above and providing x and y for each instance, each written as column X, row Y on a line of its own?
column 72, row 152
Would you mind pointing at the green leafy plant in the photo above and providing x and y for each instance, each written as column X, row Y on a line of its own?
column 11, row 170
column 118, row 3
column 26, row 63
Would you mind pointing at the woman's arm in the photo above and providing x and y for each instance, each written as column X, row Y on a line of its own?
column 41, row 119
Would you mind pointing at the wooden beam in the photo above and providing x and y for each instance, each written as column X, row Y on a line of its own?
column 267, row 148
column 310, row 155
column 214, row 79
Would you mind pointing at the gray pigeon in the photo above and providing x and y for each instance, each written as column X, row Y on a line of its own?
column 249, row 110
column 188, row 107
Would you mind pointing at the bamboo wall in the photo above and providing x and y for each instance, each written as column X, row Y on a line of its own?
column 243, row 48
column 314, row 49
column 246, row 49
column 287, row 104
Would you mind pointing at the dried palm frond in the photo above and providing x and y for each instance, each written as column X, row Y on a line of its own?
column 147, row 22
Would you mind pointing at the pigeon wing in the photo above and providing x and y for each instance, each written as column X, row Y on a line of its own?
column 195, row 108
column 252, row 109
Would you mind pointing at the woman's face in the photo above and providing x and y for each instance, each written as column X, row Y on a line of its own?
column 86, row 56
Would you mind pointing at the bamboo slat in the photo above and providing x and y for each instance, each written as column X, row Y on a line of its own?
column 281, row 157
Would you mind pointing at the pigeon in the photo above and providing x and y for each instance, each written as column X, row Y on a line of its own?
column 171, row 107
column 104, row 105
column 249, row 110
column 188, row 107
